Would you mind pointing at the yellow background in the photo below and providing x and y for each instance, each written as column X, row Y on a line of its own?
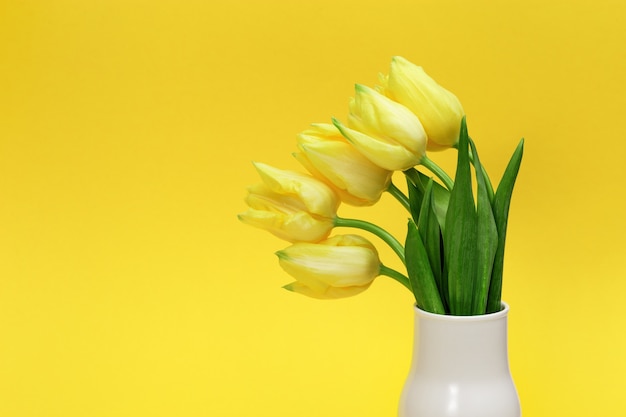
column 127, row 131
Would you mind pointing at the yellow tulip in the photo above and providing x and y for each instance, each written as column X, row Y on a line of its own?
column 293, row 206
column 327, row 155
column 385, row 132
column 439, row 111
column 338, row 267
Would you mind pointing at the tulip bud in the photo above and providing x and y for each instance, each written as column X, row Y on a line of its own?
column 327, row 155
column 439, row 111
column 385, row 132
column 293, row 206
column 341, row 266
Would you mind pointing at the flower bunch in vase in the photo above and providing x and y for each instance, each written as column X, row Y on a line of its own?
column 453, row 251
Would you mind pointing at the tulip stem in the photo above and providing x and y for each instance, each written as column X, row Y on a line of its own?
column 374, row 229
column 399, row 195
column 436, row 169
column 398, row 276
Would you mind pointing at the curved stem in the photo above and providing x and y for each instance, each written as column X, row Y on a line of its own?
column 399, row 195
column 398, row 276
column 436, row 169
column 374, row 229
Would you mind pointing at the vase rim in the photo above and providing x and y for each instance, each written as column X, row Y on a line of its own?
column 480, row 317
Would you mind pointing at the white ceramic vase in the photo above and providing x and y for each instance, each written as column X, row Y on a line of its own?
column 460, row 368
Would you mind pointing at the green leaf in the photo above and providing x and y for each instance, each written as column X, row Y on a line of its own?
column 441, row 195
column 501, row 203
column 460, row 234
column 420, row 274
column 430, row 233
column 416, row 195
column 487, row 238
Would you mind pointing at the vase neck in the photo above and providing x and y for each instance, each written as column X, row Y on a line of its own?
column 449, row 343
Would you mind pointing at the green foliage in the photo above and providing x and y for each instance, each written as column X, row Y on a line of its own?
column 487, row 238
column 500, row 205
column 430, row 233
column 420, row 272
column 455, row 245
column 441, row 195
column 459, row 238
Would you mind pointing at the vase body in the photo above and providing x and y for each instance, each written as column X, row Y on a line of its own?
column 460, row 368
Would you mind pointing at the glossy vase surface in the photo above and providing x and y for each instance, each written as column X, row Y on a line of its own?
column 460, row 368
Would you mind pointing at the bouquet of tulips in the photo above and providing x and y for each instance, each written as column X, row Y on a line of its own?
column 454, row 247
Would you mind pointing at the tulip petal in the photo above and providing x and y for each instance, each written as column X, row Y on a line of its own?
column 325, row 269
column 355, row 178
column 336, row 266
column 376, row 115
column 439, row 110
column 393, row 157
column 330, row 293
column 297, row 227
column 292, row 206
column 315, row 195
